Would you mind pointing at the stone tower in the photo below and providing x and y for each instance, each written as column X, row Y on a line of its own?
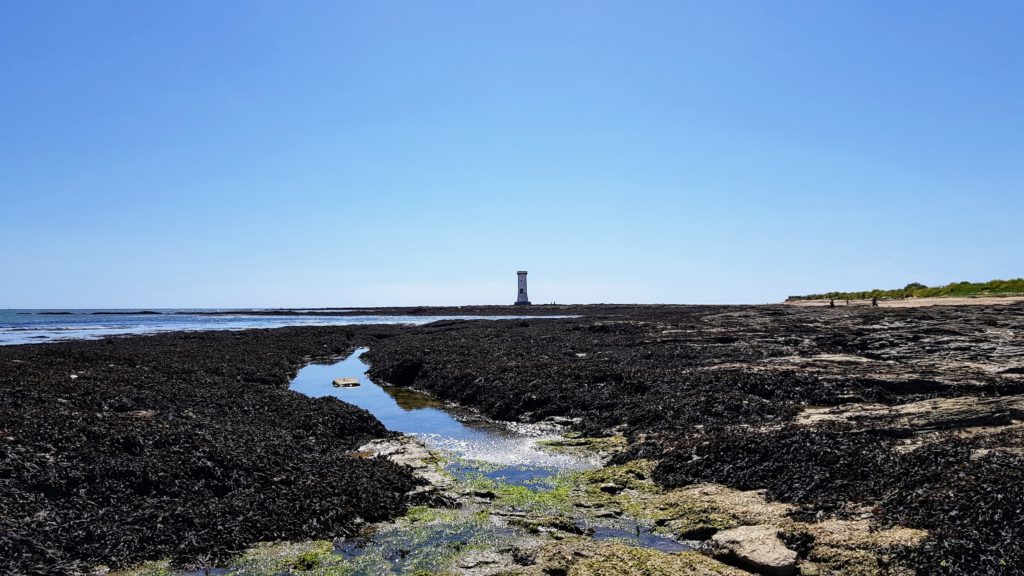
column 522, row 299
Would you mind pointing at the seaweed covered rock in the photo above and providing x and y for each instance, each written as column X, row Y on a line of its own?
column 185, row 446
column 203, row 449
column 580, row 557
column 911, row 399
column 826, row 467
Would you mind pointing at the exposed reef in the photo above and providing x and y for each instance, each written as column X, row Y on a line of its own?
column 903, row 418
column 183, row 446
column 778, row 439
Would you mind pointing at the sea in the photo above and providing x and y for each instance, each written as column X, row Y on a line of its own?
column 39, row 326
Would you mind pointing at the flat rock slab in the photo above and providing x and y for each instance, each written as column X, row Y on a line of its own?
column 408, row 451
column 933, row 414
column 756, row 548
column 346, row 382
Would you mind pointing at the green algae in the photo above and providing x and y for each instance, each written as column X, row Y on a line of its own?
column 581, row 557
column 428, row 539
column 309, row 558
column 500, row 512
column 546, row 524
column 551, row 495
column 423, row 514
column 557, row 498
column 682, row 515
column 584, row 445
column 621, row 560
column 633, row 475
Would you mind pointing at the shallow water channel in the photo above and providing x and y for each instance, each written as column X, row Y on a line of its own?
column 475, row 449
column 500, row 449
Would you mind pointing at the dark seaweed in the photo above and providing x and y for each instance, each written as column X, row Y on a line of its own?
column 711, row 393
column 229, row 457
column 186, row 446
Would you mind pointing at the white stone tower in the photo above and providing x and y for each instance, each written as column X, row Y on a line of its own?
column 522, row 299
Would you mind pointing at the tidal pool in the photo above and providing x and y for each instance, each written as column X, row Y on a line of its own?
column 480, row 446
column 500, row 461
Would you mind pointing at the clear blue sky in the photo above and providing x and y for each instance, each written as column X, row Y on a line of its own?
column 197, row 153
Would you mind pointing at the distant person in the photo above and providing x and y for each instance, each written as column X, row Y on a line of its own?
column 832, row 303
column 874, row 302
column 847, row 302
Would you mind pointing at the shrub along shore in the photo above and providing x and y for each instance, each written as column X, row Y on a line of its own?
column 1013, row 287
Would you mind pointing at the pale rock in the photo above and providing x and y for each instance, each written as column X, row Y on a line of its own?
column 756, row 548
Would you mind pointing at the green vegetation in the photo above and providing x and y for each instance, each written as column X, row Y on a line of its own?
column 616, row 559
column 551, row 496
column 312, row 558
column 1013, row 287
column 584, row 445
column 682, row 514
column 633, row 475
column 423, row 514
column 677, row 513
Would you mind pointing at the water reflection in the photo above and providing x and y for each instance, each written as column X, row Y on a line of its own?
column 441, row 426
column 409, row 400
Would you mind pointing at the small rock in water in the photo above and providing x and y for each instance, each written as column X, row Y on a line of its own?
column 346, row 382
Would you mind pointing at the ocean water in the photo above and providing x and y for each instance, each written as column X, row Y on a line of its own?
column 37, row 326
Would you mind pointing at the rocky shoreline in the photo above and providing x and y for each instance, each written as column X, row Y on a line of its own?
column 844, row 441
column 185, row 446
column 923, row 416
